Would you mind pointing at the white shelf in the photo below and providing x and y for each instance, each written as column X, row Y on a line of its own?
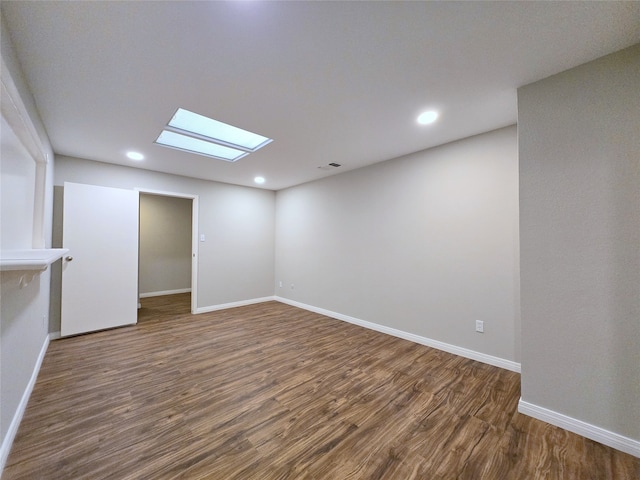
column 30, row 260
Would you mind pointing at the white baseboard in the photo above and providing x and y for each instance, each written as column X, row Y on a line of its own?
column 7, row 442
column 600, row 435
column 55, row 335
column 446, row 347
column 164, row 292
column 241, row 303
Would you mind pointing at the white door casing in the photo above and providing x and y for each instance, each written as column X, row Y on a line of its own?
column 194, row 237
column 100, row 272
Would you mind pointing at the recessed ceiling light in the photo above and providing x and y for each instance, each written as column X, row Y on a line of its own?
column 259, row 180
column 198, row 146
column 426, row 118
column 135, row 156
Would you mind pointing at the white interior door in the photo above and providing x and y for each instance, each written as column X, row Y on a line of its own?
column 100, row 272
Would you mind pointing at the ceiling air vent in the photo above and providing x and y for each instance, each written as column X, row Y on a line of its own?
column 329, row 166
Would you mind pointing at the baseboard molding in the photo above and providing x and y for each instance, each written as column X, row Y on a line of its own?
column 242, row 303
column 55, row 335
column 7, row 442
column 446, row 347
column 164, row 292
column 600, row 435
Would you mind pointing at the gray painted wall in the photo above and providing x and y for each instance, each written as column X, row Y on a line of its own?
column 236, row 261
column 17, row 188
column 580, row 242
column 23, row 311
column 165, row 243
column 426, row 244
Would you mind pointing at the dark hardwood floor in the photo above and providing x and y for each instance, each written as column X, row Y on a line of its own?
column 269, row 391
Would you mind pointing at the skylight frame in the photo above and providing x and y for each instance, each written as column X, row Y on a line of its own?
column 191, row 129
column 203, row 153
column 199, row 126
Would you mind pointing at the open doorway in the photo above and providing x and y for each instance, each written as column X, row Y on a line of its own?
column 168, row 247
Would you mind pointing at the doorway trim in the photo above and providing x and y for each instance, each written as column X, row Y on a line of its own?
column 194, row 237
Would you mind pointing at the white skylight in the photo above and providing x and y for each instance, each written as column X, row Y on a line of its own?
column 217, row 131
column 201, row 147
column 195, row 133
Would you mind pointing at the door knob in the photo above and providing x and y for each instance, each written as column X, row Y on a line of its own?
column 69, row 258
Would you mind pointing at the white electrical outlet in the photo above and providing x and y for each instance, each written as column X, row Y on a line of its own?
column 479, row 326
column 280, row 283
column 292, row 287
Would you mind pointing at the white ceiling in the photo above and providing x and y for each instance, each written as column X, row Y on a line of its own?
column 328, row 81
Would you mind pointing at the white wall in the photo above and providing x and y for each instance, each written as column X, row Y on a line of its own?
column 425, row 244
column 236, row 261
column 17, row 188
column 579, row 142
column 165, row 243
column 23, row 310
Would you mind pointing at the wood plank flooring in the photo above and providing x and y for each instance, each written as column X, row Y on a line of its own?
column 269, row 391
